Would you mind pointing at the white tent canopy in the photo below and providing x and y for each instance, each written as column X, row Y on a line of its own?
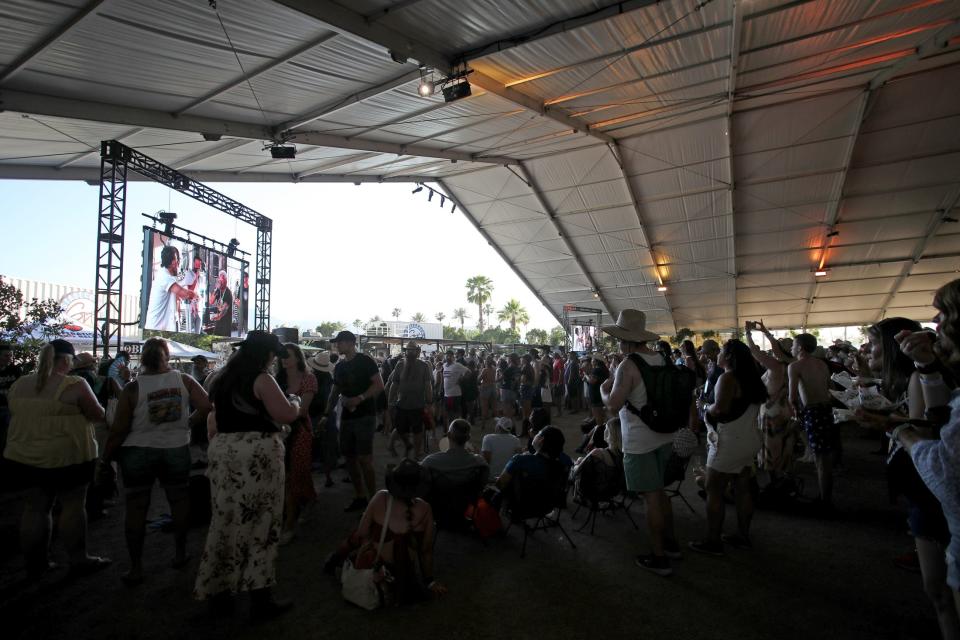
column 179, row 350
column 724, row 149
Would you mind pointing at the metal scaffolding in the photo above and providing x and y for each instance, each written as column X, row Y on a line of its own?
column 116, row 159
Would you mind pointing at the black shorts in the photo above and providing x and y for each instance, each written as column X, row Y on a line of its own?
column 27, row 476
column 409, row 421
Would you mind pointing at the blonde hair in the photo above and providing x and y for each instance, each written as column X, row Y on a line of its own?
column 48, row 358
column 613, row 436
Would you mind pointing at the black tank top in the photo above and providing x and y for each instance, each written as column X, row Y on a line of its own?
column 239, row 410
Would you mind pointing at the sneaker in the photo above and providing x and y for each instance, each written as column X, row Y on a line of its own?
column 737, row 541
column 671, row 549
column 659, row 565
column 358, row 504
column 707, row 548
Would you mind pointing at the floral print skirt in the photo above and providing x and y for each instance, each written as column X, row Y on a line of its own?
column 246, row 493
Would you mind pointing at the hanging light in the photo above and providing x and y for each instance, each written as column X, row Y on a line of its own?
column 443, row 199
column 821, row 272
column 418, row 189
column 426, row 88
column 430, row 196
column 662, row 288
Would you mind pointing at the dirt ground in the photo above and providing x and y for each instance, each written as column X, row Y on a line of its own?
column 805, row 578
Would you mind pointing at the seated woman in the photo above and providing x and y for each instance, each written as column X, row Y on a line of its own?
column 408, row 546
column 605, row 459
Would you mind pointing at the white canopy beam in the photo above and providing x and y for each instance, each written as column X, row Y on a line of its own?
column 206, row 154
column 95, row 149
column 37, row 104
column 490, row 241
column 936, row 221
column 735, row 46
column 331, row 107
column 617, row 153
column 332, row 163
column 259, row 71
column 562, row 232
column 49, row 40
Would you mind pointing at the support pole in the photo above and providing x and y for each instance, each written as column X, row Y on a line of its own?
column 108, row 292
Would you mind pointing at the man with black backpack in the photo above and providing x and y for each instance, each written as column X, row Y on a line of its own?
column 653, row 399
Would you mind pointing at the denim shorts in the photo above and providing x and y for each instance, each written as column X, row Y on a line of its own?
column 141, row 466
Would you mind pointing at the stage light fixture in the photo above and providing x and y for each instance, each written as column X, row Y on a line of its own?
column 662, row 288
column 456, row 90
column 430, row 196
column 180, row 183
column 418, row 189
column 283, row 152
column 596, row 294
column 426, row 88
column 453, row 209
column 443, row 200
column 821, row 272
column 232, row 247
column 167, row 218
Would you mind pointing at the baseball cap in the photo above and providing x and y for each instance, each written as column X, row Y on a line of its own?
column 344, row 336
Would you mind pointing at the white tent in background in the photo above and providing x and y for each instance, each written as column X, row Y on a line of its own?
column 179, row 350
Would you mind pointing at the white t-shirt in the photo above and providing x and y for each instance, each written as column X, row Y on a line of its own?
column 162, row 306
column 452, row 375
column 638, row 437
column 502, row 447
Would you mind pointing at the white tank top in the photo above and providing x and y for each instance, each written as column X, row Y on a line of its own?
column 638, row 437
column 160, row 419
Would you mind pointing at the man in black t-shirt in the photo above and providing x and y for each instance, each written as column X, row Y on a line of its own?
column 9, row 373
column 357, row 383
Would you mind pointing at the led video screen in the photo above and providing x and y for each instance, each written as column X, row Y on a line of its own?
column 187, row 288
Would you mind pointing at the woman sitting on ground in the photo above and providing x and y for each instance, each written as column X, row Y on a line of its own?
column 408, row 545
column 150, row 437
column 733, row 442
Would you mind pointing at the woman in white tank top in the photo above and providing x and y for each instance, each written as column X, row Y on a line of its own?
column 150, row 437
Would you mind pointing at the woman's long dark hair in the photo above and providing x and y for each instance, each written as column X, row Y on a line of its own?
column 740, row 361
column 297, row 353
column 690, row 351
column 249, row 361
column 896, row 367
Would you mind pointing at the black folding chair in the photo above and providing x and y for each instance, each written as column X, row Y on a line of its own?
column 600, row 488
column 539, row 499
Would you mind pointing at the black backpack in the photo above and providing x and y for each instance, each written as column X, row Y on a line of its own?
column 669, row 394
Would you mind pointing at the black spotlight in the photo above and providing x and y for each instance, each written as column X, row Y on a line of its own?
column 283, row 152
column 418, row 189
column 456, row 90
column 167, row 218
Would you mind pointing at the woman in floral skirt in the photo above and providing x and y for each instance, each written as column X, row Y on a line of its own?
column 246, row 473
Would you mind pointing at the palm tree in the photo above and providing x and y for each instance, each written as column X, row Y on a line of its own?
column 488, row 309
column 375, row 319
column 514, row 313
column 440, row 316
column 479, row 290
column 358, row 323
column 396, row 313
column 419, row 317
column 460, row 314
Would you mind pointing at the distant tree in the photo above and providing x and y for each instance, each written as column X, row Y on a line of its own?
column 709, row 334
column 330, row 328
column 488, row 311
column 558, row 336
column 358, row 323
column 440, row 316
column 682, row 334
column 498, row 335
column 418, row 317
column 479, row 290
column 514, row 313
column 396, row 313
column 42, row 321
column 461, row 314
column 453, row 333
column 537, row 336
column 375, row 319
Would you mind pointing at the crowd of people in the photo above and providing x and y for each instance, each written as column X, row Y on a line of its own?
column 270, row 417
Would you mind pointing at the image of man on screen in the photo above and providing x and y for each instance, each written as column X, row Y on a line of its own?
column 165, row 291
column 221, row 301
column 196, row 281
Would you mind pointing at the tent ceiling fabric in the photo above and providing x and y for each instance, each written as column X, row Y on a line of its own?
column 726, row 148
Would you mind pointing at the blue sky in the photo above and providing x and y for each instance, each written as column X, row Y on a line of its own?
column 340, row 251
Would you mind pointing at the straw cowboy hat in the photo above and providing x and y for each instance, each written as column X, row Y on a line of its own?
column 321, row 362
column 412, row 346
column 631, row 326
